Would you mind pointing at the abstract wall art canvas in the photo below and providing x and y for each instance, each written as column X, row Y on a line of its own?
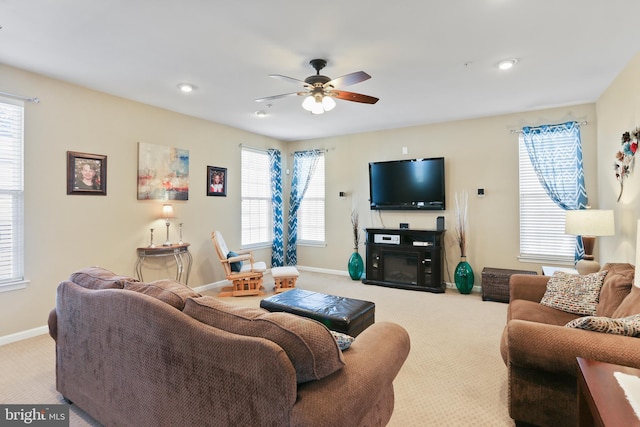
column 163, row 172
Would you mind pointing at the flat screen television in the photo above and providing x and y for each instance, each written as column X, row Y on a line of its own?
column 416, row 184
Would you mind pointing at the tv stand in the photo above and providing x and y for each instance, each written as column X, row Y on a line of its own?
column 405, row 258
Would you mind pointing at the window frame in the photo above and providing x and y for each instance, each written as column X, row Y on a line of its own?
column 553, row 214
column 12, row 185
column 258, row 185
column 312, row 195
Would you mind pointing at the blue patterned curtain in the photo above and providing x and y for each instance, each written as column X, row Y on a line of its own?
column 556, row 155
column 277, row 246
column 304, row 164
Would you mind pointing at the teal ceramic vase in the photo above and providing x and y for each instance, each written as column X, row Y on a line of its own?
column 356, row 266
column 464, row 276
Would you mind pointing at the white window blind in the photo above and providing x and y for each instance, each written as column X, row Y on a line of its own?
column 256, row 211
column 11, row 192
column 311, row 211
column 542, row 236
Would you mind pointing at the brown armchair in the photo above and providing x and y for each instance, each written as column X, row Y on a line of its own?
column 540, row 352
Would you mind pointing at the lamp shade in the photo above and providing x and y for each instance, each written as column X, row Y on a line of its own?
column 589, row 222
column 167, row 211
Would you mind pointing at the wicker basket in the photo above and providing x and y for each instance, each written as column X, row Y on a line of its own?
column 495, row 283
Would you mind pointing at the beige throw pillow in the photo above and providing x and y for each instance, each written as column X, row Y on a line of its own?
column 574, row 293
column 309, row 345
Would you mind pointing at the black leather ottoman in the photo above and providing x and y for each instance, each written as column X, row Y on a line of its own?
column 347, row 315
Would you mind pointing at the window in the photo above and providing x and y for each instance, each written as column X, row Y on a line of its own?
column 11, row 194
column 256, row 208
column 542, row 236
column 311, row 211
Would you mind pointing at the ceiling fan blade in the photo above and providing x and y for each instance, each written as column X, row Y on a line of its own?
column 348, row 79
column 284, row 95
column 289, row 79
column 352, row 96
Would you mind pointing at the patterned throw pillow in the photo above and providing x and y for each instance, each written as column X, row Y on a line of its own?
column 574, row 293
column 627, row 326
column 344, row 341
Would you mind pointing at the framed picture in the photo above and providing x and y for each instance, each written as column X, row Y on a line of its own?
column 86, row 174
column 163, row 172
column 216, row 181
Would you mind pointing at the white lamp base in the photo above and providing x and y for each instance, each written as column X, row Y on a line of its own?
column 587, row 266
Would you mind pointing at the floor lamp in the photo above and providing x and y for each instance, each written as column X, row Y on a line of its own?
column 589, row 224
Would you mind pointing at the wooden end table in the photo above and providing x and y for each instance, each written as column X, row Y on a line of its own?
column 601, row 400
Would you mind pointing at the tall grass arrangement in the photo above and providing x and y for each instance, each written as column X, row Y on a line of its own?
column 461, row 221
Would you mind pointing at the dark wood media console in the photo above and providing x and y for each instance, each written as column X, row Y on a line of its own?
column 405, row 258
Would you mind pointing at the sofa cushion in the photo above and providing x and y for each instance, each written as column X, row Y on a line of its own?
column 532, row 311
column 99, row 278
column 309, row 345
column 627, row 326
column 630, row 305
column 166, row 290
column 616, row 286
column 574, row 293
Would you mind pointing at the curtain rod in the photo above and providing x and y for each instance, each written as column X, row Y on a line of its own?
column 35, row 100
column 322, row 150
column 536, row 127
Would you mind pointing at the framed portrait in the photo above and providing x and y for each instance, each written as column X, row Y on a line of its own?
column 216, row 181
column 86, row 173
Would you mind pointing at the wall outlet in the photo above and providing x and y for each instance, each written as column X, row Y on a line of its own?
column 404, row 225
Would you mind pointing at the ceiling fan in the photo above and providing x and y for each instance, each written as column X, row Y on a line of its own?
column 320, row 90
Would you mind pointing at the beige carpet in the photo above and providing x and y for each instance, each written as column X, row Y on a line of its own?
column 454, row 375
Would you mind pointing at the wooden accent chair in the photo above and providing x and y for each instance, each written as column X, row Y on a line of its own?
column 247, row 281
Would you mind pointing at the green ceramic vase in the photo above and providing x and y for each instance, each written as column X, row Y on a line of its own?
column 355, row 266
column 464, row 276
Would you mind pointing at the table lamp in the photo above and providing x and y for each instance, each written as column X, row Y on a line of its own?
column 589, row 223
column 167, row 214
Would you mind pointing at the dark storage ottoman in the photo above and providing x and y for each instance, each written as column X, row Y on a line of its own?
column 495, row 283
column 347, row 315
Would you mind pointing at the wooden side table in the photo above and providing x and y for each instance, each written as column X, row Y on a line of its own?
column 601, row 400
column 177, row 251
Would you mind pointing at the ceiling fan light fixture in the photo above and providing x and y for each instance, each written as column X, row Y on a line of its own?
column 328, row 103
column 317, row 107
column 308, row 103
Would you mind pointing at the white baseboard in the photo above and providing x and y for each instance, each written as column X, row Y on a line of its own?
column 19, row 336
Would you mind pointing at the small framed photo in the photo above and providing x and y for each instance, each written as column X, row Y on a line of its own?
column 216, row 181
column 86, row 174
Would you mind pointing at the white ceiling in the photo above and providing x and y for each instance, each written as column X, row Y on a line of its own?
column 430, row 61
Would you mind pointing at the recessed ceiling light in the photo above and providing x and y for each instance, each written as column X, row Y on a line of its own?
column 261, row 113
column 186, row 87
column 507, row 63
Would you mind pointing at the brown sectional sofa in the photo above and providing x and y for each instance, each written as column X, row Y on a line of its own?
column 540, row 351
column 128, row 353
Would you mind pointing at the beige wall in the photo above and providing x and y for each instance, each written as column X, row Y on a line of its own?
column 618, row 110
column 65, row 233
column 480, row 153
